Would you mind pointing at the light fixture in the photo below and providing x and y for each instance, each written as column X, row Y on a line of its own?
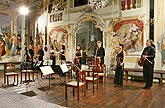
column 95, row 4
column 24, row 10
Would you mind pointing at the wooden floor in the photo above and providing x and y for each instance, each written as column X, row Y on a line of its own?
column 130, row 95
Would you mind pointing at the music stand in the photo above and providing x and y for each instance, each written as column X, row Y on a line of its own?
column 47, row 70
column 64, row 69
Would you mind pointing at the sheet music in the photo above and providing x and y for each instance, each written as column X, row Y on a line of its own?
column 48, row 62
column 64, row 68
column 84, row 67
column 46, row 70
column 39, row 63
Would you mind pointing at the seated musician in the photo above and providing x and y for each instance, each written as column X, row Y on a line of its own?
column 99, row 53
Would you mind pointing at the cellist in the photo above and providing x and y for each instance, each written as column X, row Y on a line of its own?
column 149, row 54
column 99, row 54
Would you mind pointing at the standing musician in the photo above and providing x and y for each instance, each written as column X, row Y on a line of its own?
column 78, row 56
column 63, row 54
column 100, row 52
column 99, row 57
column 52, row 54
column 30, row 54
column 40, row 53
column 119, row 68
column 149, row 55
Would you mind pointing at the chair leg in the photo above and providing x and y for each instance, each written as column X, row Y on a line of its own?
column 4, row 79
column 17, row 79
column 33, row 76
column 7, row 80
column 87, row 85
column 73, row 91
column 14, row 78
column 78, row 94
column 93, row 87
column 25, row 76
column 66, row 94
column 104, row 79
column 21, row 77
column 84, row 91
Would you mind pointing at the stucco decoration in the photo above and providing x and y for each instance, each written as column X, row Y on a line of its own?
column 95, row 18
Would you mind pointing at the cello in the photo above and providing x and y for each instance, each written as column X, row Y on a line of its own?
column 98, row 63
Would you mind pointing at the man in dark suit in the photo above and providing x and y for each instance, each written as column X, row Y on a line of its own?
column 149, row 55
column 100, row 52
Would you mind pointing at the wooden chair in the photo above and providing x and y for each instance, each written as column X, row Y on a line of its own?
column 103, row 74
column 28, row 71
column 79, row 83
column 9, row 70
column 93, row 78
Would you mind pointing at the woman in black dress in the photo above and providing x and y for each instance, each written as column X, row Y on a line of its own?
column 63, row 54
column 119, row 71
column 78, row 56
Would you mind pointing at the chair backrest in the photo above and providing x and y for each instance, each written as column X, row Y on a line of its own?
column 104, row 68
column 9, row 67
column 81, row 77
column 95, row 71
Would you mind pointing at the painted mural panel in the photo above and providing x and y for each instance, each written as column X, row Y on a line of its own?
column 58, row 36
column 128, row 32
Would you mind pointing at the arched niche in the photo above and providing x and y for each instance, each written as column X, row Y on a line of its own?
column 89, row 28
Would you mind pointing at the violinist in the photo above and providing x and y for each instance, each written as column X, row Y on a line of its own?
column 119, row 71
column 78, row 56
column 149, row 54
column 29, row 54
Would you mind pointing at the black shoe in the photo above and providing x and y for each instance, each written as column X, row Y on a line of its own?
column 144, row 87
column 148, row 88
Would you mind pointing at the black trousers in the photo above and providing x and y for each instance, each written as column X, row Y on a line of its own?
column 148, row 73
column 119, row 75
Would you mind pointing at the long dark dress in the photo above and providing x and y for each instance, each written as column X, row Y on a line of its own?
column 119, row 69
column 78, row 58
column 62, row 56
column 83, row 59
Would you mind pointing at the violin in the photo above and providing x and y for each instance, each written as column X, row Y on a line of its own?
column 141, row 61
column 118, row 61
column 30, row 58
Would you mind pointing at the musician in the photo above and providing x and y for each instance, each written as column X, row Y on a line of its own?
column 40, row 53
column 78, row 56
column 100, row 52
column 63, row 54
column 29, row 54
column 52, row 54
column 119, row 68
column 149, row 55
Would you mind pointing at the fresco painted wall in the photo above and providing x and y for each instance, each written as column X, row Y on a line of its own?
column 128, row 32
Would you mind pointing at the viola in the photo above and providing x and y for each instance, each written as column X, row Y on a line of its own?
column 141, row 61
